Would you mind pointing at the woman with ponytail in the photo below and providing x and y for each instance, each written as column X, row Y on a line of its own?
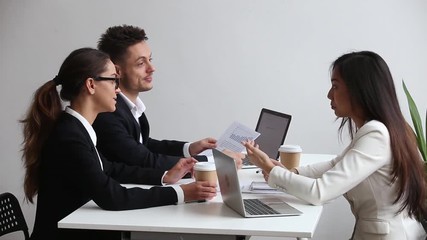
column 63, row 166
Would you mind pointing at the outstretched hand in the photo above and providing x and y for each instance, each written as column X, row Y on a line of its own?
column 202, row 145
column 182, row 167
column 258, row 157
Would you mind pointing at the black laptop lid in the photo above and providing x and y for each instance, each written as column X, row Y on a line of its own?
column 273, row 127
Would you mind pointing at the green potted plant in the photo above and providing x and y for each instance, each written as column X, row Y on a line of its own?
column 421, row 138
column 418, row 127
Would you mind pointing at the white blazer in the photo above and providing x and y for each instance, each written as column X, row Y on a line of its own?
column 362, row 173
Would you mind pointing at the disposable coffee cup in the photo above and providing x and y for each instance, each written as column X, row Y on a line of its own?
column 205, row 171
column 290, row 155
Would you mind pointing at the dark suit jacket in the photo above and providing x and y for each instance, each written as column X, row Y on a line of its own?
column 118, row 139
column 71, row 175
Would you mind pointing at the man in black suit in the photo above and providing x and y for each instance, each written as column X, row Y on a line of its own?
column 124, row 134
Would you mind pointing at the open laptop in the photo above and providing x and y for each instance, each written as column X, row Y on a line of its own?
column 231, row 195
column 273, row 127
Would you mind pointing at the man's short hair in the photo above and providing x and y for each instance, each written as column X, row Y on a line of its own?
column 116, row 40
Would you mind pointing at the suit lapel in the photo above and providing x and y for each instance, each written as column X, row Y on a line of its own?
column 81, row 128
column 124, row 110
column 145, row 128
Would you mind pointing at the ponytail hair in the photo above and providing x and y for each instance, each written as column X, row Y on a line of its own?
column 46, row 107
column 38, row 123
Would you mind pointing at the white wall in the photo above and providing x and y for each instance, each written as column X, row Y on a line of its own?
column 217, row 61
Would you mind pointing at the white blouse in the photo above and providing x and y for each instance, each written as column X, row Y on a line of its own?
column 362, row 172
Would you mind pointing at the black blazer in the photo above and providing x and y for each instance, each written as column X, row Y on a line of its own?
column 118, row 139
column 71, row 175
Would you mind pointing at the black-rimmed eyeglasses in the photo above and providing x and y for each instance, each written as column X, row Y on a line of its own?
column 115, row 79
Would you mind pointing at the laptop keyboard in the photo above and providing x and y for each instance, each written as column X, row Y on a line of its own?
column 257, row 207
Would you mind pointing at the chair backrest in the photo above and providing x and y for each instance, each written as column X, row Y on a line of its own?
column 11, row 217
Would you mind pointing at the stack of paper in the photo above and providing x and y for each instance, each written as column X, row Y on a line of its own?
column 260, row 186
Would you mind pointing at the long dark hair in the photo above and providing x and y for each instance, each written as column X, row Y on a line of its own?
column 371, row 87
column 46, row 107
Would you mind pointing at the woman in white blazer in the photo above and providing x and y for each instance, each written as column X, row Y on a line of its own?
column 380, row 173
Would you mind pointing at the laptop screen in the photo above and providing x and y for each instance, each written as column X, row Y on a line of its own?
column 273, row 127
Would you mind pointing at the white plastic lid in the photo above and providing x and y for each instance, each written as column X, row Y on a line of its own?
column 205, row 166
column 290, row 148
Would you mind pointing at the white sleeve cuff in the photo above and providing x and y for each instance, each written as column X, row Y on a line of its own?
column 161, row 180
column 179, row 193
column 186, row 150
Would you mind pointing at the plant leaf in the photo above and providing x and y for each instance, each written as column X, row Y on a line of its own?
column 416, row 120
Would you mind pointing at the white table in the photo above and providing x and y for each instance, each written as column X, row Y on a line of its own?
column 208, row 218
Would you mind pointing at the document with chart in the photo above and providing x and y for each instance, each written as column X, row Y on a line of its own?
column 234, row 135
